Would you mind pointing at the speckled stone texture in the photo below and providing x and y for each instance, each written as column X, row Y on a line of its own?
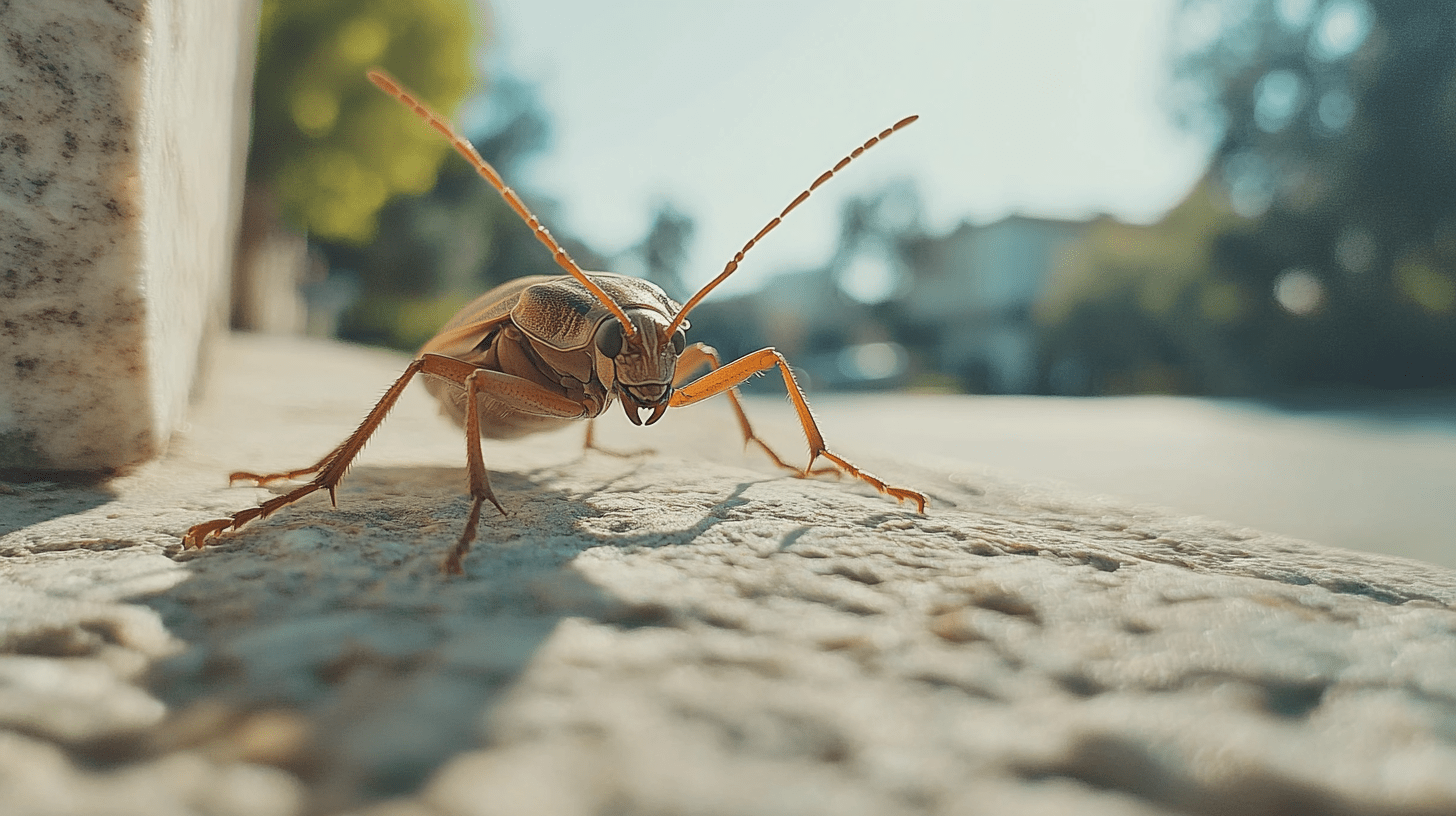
column 123, row 127
column 685, row 632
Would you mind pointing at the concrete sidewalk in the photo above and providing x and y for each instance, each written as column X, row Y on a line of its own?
column 686, row 631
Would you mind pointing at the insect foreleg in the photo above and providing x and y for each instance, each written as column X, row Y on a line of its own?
column 511, row 391
column 479, row 477
column 697, row 355
column 724, row 378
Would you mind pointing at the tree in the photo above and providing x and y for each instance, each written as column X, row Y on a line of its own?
column 435, row 252
column 1136, row 309
column 1339, row 140
column 328, row 145
column 664, row 249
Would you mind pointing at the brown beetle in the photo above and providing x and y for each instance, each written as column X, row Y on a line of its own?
column 538, row 352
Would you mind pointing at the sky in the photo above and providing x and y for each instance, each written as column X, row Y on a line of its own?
column 1051, row 108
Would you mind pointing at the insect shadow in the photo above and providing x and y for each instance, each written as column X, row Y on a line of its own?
column 342, row 620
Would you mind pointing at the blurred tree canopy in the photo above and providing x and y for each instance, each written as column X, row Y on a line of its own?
column 330, row 146
column 1148, row 309
column 1339, row 122
column 437, row 251
column 1320, row 249
column 663, row 251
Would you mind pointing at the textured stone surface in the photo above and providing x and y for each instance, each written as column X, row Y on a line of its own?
column 122, row 132
column 686, row 632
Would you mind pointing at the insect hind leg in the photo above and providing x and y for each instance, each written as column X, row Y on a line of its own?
column 329, row 471
column 261, row 479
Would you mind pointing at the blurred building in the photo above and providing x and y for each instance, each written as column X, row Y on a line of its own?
column 969, row 301
column 959, row 312
column 832, row 340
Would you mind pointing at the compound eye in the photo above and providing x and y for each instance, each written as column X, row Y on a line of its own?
column 679, row 341
column 609, row 337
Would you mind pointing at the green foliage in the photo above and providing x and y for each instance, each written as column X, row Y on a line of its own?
column 436, row 252
column 1338, row 152
column 333, row 147
column 1148, row 309
column 1339, row 122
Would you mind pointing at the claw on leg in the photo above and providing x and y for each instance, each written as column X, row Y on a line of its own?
column 899, row 494
column 196, row 538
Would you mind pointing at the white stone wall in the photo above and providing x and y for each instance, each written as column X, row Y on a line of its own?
column 123, row 131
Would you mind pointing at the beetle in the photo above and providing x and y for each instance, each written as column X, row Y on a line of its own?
column 538, row 352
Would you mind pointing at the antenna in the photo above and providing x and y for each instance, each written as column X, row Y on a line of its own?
column 769, row 227
column 387, row 84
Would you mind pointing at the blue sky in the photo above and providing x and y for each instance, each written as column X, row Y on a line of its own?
column 1044, row 107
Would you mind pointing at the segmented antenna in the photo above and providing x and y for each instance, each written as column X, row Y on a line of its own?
column 388, row 84
column 767, row 228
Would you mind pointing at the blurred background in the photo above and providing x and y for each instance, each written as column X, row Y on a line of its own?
column 1246, row 205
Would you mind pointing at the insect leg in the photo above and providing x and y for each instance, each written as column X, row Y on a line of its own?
column 512, row 391
column 330, row 470
column 269, row 478
column 697, row 355
column 590, row 443
column 723, row 379
column 287, row 475
column 479, row 477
